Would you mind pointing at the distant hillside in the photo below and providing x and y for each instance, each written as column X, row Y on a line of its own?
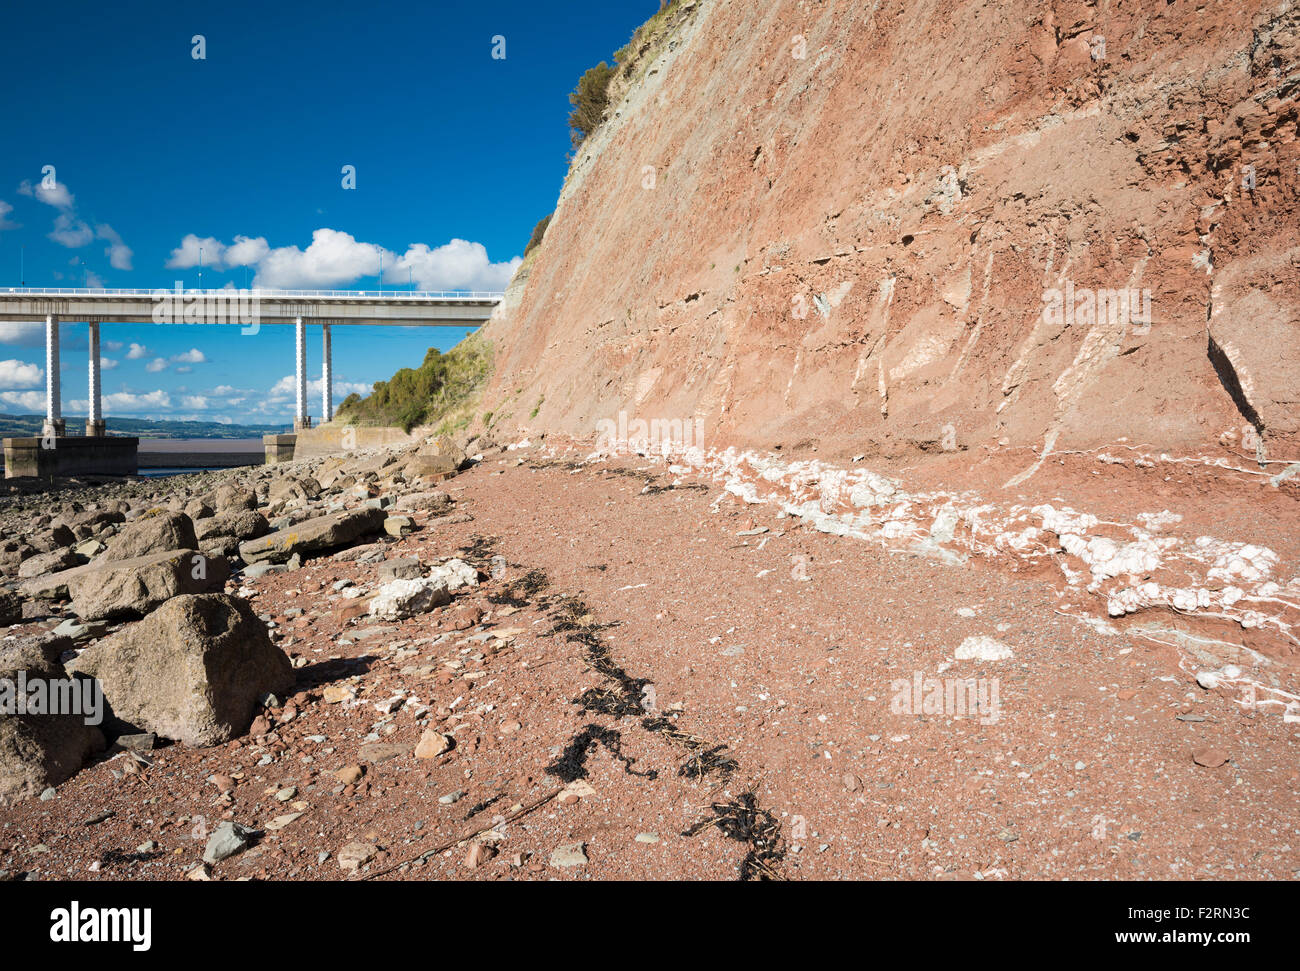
column 18, row 426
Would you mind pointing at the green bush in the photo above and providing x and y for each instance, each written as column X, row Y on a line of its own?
column 589, row 101
column 539, row 231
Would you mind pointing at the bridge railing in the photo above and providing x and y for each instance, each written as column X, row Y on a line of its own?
column 261, row 292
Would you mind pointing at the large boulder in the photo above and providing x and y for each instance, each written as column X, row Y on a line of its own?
column 41, row 750
column 286, row 487
column 313, row 536
column 42, row 563
column 436, row 460
column 131, row 588
column 229, row 497
column 435, row 503
column 192, row 671
column 154, row 532
column 241, row 523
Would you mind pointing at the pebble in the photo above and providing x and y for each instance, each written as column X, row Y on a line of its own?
column 227, row 839
column 432, row 744
column 1210, row 756
column 479, row 853
column 354, row 856
column 569, row 855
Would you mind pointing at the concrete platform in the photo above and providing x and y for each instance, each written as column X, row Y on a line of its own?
column 279, row 448
column 71, row 455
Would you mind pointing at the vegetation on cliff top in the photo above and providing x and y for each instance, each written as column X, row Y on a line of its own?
column 441, row 391
column 592, row 96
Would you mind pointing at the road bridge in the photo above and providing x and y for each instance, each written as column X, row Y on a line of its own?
column 249, row 310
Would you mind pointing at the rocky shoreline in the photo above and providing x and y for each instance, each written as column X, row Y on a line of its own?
column 137, row 584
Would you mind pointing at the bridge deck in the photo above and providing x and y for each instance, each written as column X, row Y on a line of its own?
column 405, row 308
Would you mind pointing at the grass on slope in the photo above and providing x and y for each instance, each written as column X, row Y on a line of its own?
column 440, row 391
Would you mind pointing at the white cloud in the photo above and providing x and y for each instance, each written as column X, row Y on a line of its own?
column 92, row 280
column 156, row 365
column 285, row 389
column 118, row 253
column 224, row 389
column 126, row 401
column 107, row 364
column 246, row 252
column 25, row 334
column 459, row 265
column 27, row 400
column 70, row 231
column 336, row 259
column 195, row 401
column 136, row 352
column 187, row 254
column 192, row 356
column 333, row 259
column 114, row 346
column 56, row 194
column 20, row 374
column 184, row 369
column 5, row 210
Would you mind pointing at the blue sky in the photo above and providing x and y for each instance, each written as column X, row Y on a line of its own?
column 457, row 154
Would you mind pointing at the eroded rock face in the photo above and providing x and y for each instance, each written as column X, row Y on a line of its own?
column 40, row 750
column 130, row 588
column 868, row 280
column 153, row 533
column 313, row 536
column 192, row 671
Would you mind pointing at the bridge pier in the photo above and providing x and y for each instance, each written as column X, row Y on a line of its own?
column 326, row 377
column 54, row 424
column 300, row 417
column 94, row 416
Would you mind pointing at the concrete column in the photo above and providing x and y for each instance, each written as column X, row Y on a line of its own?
column 94, row 417
column 53, row 406
column 301, row 419
column 326, row 377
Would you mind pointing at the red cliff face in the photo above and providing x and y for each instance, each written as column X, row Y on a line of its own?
column 875, row 226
